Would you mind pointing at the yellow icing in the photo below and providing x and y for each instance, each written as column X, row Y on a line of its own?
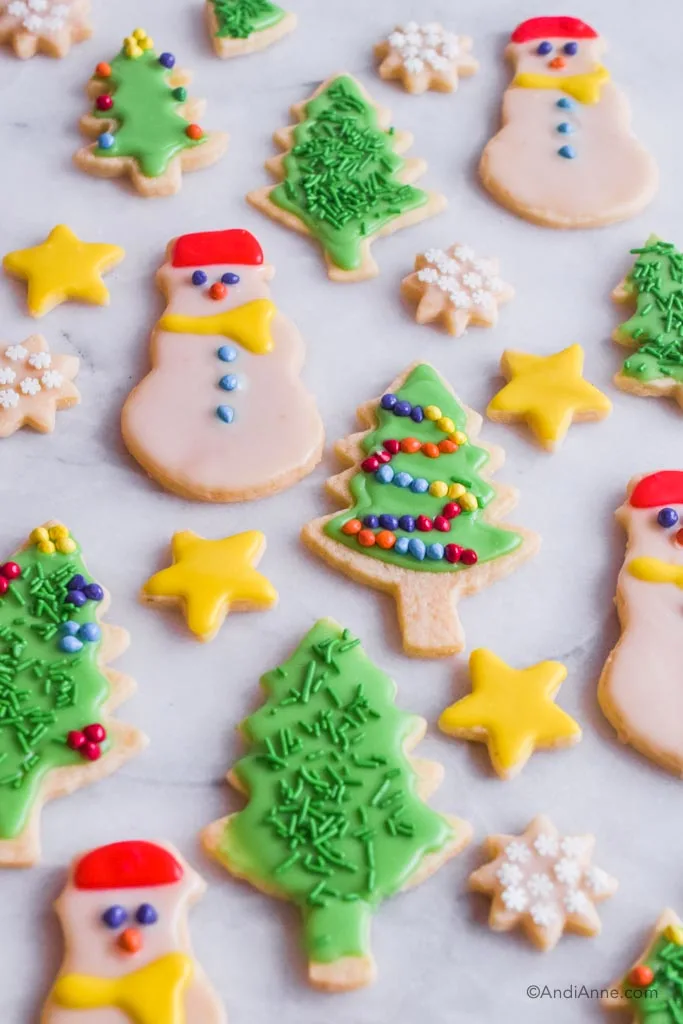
column 549, row 392
column 152, row 995
column 512, row 710
column 654, row 570
column 209, row 576
column 584, row 88
column 61, row 268
column 249, row 325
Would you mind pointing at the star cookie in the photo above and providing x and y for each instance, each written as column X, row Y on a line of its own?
column 455, row 288
column 549, row 393
column 44, row 26
column 653, row 988
column 425, row 57
column 62, row 268
column 34, row 384
column 543, row 882
column 512, row 711
column 210, row 578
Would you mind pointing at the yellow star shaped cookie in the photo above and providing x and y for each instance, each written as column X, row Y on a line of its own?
column 549, row 392
column 61, row 268
column 511, row 710
column 210, row 578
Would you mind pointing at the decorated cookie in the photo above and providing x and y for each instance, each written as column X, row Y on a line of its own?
column 652, row 990
column 144, row 122
column 512, row 710
column 127, row 948
column 63, row 268
column 34, row 384
column 565, row 156
column 422, row 515
column 57, row 695
column 345, row 203
column 223, row 415
column 543, row 882
column 638, row 690
column 210, row 578
column 336, row 819
column 654, row 289
column 548, row 393
column 44, row 26
column 455, row 288
column 245, row 26
column 424, row 57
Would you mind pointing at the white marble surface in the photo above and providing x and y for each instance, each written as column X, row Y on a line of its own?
column 437, row 960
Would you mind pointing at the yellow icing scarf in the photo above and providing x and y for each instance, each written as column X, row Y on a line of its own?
column 654, row 570
column 584, row 88
column 248, row 324
column 152, row 995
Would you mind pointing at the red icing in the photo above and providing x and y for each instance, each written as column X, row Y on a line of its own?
column 663, row 488
column 134, row 864
column 204, row 248
column 549, row 27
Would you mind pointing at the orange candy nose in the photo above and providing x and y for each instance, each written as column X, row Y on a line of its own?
column 218, row 290
column 130, row 940
column 557, row 62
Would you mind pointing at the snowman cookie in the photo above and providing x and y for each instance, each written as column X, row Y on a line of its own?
column 128, row 955
column 639, row 690
column 223, row 415
column 44, row 26
column 565, row 156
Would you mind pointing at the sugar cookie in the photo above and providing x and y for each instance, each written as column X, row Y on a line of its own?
column 653, row 988
column 424, row 57
column 34, row 384
column 239, row 27
column 44, row 26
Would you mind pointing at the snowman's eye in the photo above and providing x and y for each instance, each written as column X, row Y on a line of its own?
column 146, row 914
column 667, row 517
column 571, row 49
column 544, row 48
column 199, row 277
column 115, row 916
column 230, row 278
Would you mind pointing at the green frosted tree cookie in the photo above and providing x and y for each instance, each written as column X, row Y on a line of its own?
column 244, row 26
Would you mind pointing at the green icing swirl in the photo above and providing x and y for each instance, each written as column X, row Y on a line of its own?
column 424, row 387
column 44, row 693
column 341, row 175
column 149, row 127
column 238, row 19
column 656, row 328
column 334, row 822
column 662, row 1001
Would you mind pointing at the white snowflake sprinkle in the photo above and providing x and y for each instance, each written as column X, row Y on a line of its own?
column 435, row 255
column 540, row 885
column 509, row 874
column 39, row 17
column 545, row 845
column 16, row 353
column 577, row 902
column 460, row 299
column 480, row 298
column 8, row 399
column 413, row 65
column 597, row 880
column 7, row 375
column 427, row 46
column 543, row 914
column 52, row 379
column 430, row 275
column 464, row 253
column 567, row 871
column 397, row 40
column 40, row 360
column 517, row 851
column 412, row 26
column 472, row 280
column 30, row 386
column 573, row 846
column 447, row 284
column 514, row 898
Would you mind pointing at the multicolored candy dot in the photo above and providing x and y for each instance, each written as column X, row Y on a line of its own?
column 228, row 382
column 180, row 94
column 146, row 914
column 167, row 60
column 225, row 413
column 199, row 278
column 641, row 976
column 226, row 353
column 571, row 48
column 230, row 278
column 667, row 517
column 115, row 916
column 568, row 152
column 416, row 548
column 544, row 48
column 106, row 140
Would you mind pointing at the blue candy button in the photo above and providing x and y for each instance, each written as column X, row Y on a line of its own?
column 568, row 152
column 225, row 413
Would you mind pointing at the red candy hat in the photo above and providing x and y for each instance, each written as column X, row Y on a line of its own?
column 554, row 27
column 663, row 488
column 135, row 864
column 204, row 248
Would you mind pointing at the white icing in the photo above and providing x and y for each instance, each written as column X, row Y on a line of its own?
column 30, row 386
column 573, row 846
column 597, row 880
column 514, row 898
column 567, row 871
column 577, row 902
column 543, row 914
column 517, row 851
column 40, row 16
column 540, row 884
column 509, row 874
column 7, row 375
column 52, row 379
column 425, row 47
column 464, row 279
column 546, row 846
column 9, row 399
column 16, row 353
column 40, row 360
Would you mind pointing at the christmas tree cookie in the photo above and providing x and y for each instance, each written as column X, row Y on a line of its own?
column 652, row 991
column 34, row 384
column 44, row 26
column 57, row 695
column 127, row 952
column 422, row 514
column 654, row 287
column 336, row 819
column 144, row 122
column 244, row 26
column 343, row 179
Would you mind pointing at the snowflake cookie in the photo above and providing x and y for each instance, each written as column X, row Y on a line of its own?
column 456, row 288
column 34, row 384
column 544, row 882
column 425, row 57
column 44, row 26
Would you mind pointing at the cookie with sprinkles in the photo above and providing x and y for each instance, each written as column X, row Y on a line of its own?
column 239, row 27
column 421, row 520
column 143, row 121
column 342, row 178
column 424, row 57
column 336, row 820
column 57, row 693
column 652, row 990
column 455, row 288
column 34, row 384
column 44, row 26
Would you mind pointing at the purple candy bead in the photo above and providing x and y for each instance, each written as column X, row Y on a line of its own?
column 167, row 60
column 76, row 598
column 417, row 414
column 76, row 582
column 388, row 401
column 403, row 409
column 407, row 523
column 372, row 522
column 388, row 522
column 93, row 592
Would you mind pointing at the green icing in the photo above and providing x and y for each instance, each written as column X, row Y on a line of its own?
column 334, row 822
column 149, row 127
column 425, row 387
column 238, row 19
column 662, row 1001
column 44, row 693
column 656, row 283
column 342, row 174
